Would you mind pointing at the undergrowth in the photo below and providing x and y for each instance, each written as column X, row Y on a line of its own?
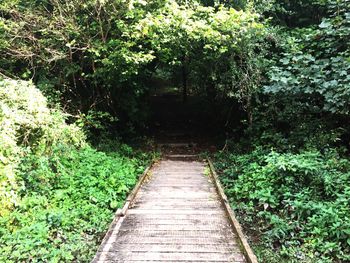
column 295, row 206
column 67, row 201
column 58, row 194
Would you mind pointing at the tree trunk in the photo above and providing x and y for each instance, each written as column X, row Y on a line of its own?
column 250, row 111
column 184, row 81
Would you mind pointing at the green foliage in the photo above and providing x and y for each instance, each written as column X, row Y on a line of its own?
column 95, row 59
column 290, row 13
column 298, row 203
column 58, row 195
column 98, row 55
column 75, row 51
column 68, row 199
column 315, row 65
column 188, row 38
column 27, row 127
column 96, row 124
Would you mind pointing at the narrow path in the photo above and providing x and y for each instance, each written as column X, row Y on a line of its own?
column 177, row 216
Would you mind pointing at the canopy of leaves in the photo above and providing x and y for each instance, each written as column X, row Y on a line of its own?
column 315, row 63
column 99, row 54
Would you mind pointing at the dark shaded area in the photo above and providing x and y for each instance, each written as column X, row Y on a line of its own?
column 197, row 123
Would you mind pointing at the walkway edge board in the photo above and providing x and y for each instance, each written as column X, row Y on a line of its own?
column 248, row 252
column 120, row 213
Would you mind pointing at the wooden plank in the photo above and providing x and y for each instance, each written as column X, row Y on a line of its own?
column 174, row 212
column 182, row 189
column 212, row 240
column 167, row 227
column 163, row 261
column 180, row 247
column 176, row 216
column 169, row 221
column 207, row 204
column 172, row 256
column 175, row 233
column 179, row 195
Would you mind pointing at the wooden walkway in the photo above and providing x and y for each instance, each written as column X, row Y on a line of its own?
column 177, row 216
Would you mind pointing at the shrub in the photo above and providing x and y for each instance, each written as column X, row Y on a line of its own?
column 298, row 201
column 67, row 203
column 57, row 193
column 27, row 125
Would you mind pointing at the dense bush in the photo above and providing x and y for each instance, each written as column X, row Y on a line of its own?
column 295, row 204
column 28, row 126
column 314, row 65
column 58, row 194
column 66, row 203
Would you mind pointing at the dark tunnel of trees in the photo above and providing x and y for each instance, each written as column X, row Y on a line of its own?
column 266, row 82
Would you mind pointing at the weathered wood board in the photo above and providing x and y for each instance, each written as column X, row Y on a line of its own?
column 176, row 216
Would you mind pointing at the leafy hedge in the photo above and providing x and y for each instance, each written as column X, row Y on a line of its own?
column 58, row 194
column 295, row 204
